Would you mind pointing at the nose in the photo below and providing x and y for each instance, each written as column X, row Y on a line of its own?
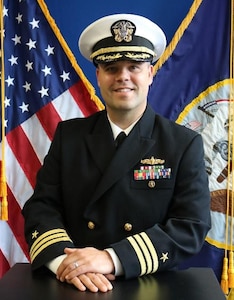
column 123, row 74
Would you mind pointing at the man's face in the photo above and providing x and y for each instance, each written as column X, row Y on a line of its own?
column 124, row 85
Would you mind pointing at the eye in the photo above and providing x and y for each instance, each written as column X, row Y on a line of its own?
column 135, row 67
column 110, row 69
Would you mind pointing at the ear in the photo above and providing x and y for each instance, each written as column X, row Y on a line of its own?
column 151, row 74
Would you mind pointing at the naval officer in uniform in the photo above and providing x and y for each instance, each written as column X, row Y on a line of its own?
column 123, row 192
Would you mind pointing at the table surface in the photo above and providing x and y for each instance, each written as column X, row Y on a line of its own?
column 192, row 284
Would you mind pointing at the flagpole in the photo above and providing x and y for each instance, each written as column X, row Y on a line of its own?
column 227, row 281
column 231, row 152
column 3, row 184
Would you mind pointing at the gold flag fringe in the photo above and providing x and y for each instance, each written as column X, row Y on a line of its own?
column 230, row 271
column 231, row 295
column 3, row 182
column 227, row 279
column 224, row 277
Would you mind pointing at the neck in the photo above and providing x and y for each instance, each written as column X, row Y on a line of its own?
column 123, row 120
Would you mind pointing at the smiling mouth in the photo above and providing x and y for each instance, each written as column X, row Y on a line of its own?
column 123, row 90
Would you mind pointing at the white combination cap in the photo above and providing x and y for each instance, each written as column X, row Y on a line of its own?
column 122, row 37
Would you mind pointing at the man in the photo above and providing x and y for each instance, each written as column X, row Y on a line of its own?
column 102, row 209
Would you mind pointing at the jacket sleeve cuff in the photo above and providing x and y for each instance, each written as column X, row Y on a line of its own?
column 55, row 263
column 118, row 266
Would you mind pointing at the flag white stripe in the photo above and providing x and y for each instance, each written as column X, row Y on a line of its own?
column 66, row 106
column 9, row 245
column 39, row 141
column 17, row 181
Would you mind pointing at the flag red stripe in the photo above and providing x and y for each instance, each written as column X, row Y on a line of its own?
column 49, row 119
column 4, row 265
column 24, row 153
column 82, row 98
column 15, row 217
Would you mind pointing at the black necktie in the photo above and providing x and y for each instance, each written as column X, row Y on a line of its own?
column 119, row 139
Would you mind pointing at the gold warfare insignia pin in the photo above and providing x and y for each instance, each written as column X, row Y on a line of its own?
column 152, row 161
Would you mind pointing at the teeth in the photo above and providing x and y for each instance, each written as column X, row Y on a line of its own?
column 123, row 90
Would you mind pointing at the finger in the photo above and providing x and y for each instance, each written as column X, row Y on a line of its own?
column 96, row 282
column 78, row 284
column 110, row 277
column 70, row 250
column 88, row 281
column 103, row 283
column 69, row 272
column 71, row 257
column 66, row 263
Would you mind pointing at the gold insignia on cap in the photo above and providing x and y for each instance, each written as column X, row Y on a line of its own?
column 152, row 161
column 123, row 30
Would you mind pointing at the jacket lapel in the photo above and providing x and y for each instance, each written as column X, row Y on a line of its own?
column 132, row 150
column 100, row 142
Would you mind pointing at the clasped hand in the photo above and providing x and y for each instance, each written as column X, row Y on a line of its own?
column 87, row 268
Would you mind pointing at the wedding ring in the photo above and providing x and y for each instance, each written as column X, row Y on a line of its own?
column 76, row 265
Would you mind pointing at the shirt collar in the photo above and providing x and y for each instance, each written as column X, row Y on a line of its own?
column 116, row 129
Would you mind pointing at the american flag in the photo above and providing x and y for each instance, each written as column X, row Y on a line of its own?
column 43, row 85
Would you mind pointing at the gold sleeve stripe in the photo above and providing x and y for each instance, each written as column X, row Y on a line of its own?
column 47, row 234
column 147, row 256
column 51, row 242
column 152, row 251
column 138, row 253
column 46, row 239
column 53, row 236
column 145, row 252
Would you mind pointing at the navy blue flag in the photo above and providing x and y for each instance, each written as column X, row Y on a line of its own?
column 200, row 58
column 192, row 87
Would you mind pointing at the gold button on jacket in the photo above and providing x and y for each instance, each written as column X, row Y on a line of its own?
column 91, row 225
column 128, row 227
column 151, row 184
